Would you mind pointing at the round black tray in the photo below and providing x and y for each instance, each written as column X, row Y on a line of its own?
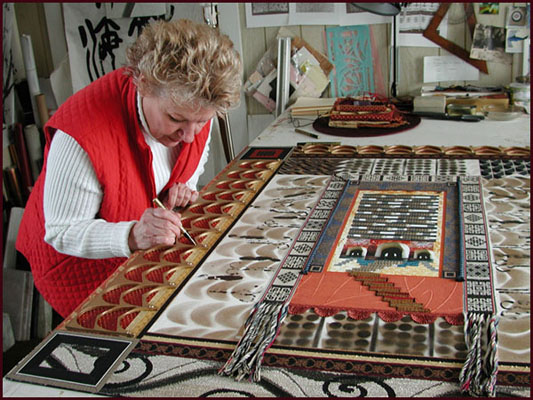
column 321, row 125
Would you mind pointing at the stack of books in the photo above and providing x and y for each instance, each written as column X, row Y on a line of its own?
column 461, row 91
column 477, row 97
column 310, row 106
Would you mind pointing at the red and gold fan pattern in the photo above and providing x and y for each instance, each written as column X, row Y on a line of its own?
column 127, row 301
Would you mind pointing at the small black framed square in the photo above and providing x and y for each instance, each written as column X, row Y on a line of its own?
column 102, row 356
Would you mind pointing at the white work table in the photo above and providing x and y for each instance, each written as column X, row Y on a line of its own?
column 429, row 132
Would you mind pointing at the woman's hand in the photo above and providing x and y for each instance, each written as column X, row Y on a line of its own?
column 179, row 195
column 156, row 226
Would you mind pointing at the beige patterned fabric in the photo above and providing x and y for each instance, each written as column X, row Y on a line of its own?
column 507, row 202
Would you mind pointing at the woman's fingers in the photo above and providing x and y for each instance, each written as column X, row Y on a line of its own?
column 156, row 226
column 180, row 195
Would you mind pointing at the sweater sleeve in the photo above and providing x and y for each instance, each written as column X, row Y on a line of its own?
column 72, row 198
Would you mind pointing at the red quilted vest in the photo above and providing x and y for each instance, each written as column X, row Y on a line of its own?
column 102, row 118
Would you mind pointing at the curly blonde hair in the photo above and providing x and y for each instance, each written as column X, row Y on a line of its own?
column 188, row 63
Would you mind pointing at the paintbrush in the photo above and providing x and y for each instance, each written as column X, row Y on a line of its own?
column 307, row 133
column 159, row 204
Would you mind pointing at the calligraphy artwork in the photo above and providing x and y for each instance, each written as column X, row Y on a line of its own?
column 98, row 34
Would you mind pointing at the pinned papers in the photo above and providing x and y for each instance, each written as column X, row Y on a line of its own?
column 488, row 44
column 310, row 79
column 308, row 73
column 517, row 29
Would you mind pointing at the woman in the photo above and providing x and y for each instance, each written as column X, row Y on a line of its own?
column 137, row 133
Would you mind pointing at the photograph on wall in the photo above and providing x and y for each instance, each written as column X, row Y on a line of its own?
column 488, row 44
column 489, row 8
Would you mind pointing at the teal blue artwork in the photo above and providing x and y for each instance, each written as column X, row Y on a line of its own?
column 350, row 51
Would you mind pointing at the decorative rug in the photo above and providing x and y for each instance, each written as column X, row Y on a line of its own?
column 395, row 254
column 169, row 376
column 322, row 270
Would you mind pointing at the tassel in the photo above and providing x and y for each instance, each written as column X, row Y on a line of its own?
column 472, row 339
column 491, row 358
column 478, row 375
column 262, row 327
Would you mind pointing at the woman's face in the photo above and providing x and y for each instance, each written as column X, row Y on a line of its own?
column 170, row 124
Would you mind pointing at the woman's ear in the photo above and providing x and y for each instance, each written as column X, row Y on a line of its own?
column 141, row 85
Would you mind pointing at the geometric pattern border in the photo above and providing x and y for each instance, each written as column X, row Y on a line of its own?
column 476, row 251
column 363, row 364
column 399, row 151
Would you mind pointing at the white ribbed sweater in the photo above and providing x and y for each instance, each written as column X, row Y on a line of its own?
column 72, row 197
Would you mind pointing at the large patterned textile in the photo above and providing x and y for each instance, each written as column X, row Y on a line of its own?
column 321, row 270
column 169, row 376
column 508, row 204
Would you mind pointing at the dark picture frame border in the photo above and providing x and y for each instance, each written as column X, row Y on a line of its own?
column 432, row 34
column 30, row 369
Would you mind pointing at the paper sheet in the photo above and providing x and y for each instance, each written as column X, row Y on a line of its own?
column 282, row 14
column 61, row 82
column 266, row 14
column 448, row 68
column 132, row 10
column 313, row 13
column 413, row 21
